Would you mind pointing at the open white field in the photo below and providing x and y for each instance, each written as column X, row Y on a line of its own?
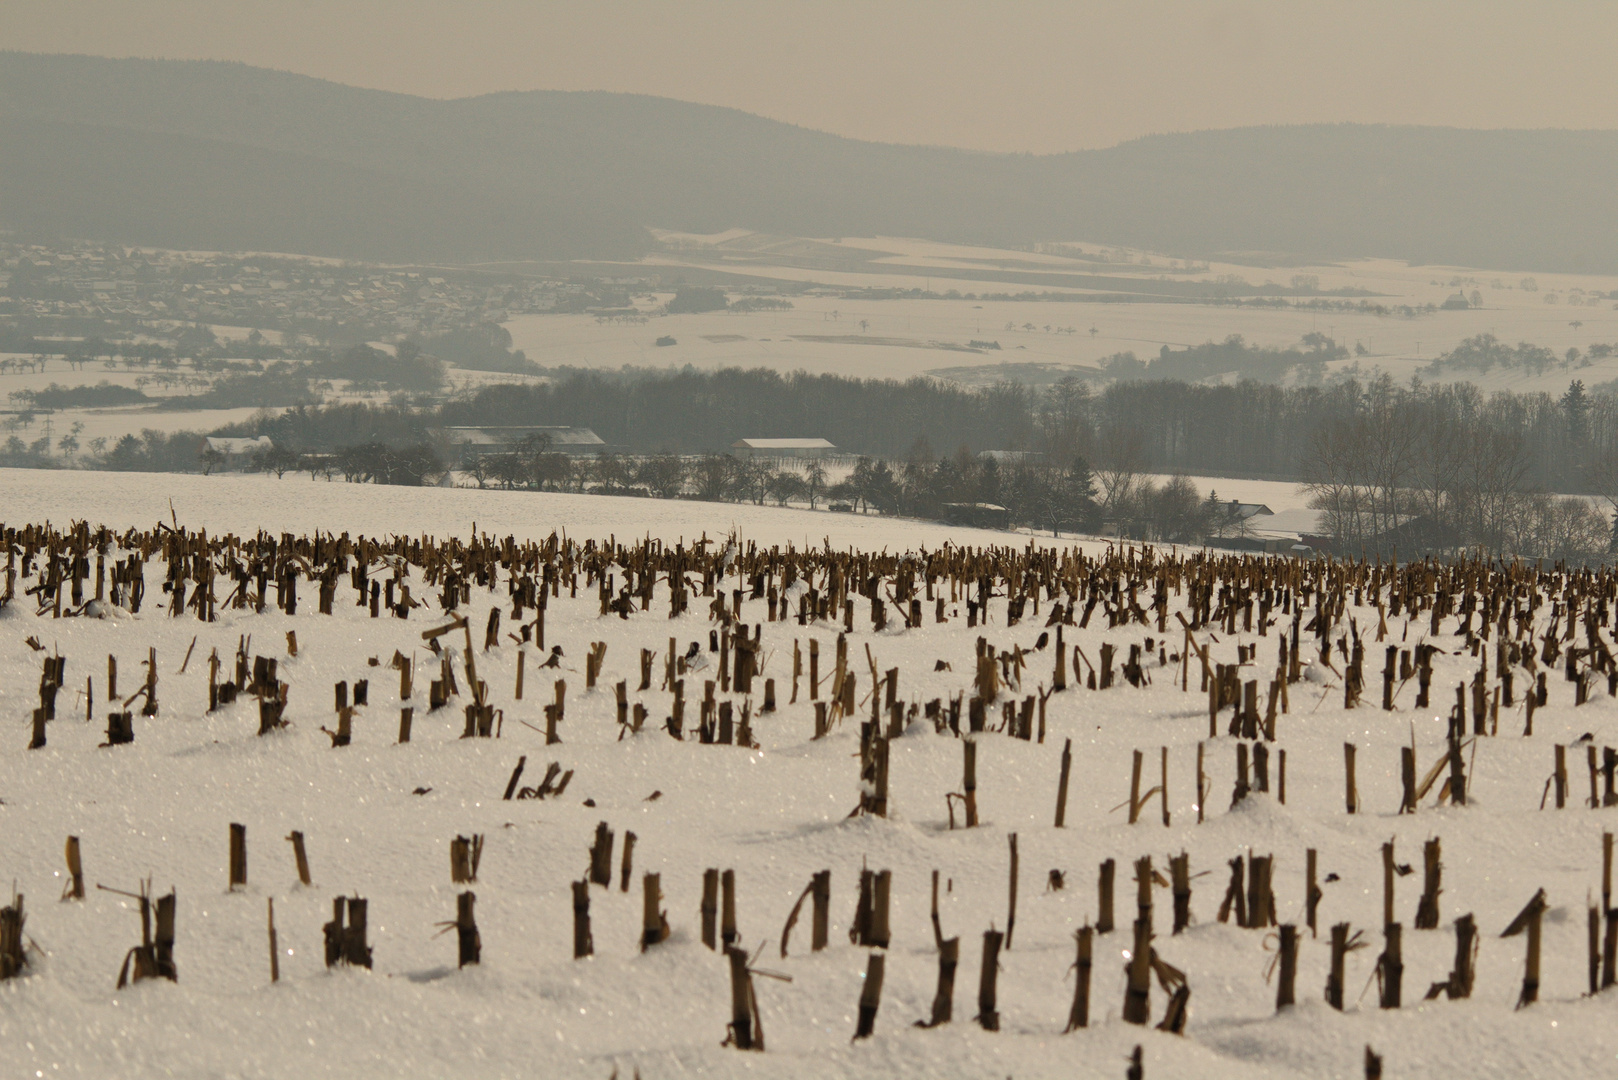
column 775, row 813
column 903, row 338
column 246, row 502
column 238, row 502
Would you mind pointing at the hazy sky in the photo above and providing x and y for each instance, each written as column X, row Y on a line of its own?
column 1002, row 75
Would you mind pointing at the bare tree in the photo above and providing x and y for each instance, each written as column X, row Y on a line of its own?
column 814, row 478
column 1491, row 473
column 1175, row 512
column 1334, row 477
column 1120, row 460
column 785, row 486
column 662, row 475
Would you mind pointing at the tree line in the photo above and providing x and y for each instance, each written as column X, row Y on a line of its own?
column 1054, row 497
column 1443, row 468
column 1418, row 467
column 1409, row 466
column 1245, row 429
column 1033, row 491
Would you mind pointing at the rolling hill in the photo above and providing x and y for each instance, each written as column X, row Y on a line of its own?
column 222, row 155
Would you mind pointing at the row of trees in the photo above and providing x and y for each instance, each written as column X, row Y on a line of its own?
column 1416, row 466
column 1305, row 362
column 687, row 411
column 1484, row 352
column 1034, row 493
column 1164, row 425
column 1149, row 419
column 363, row 463
column 1398, row 478
column 1058, row 499
column 1409, row 465
column 1269, row 432
column 150, row 451
column 1418, row 469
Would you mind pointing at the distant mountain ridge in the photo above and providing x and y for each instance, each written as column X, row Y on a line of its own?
column 225, row 156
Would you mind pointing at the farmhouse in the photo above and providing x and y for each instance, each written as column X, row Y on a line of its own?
column 499, row 440
column 239, row 447
column 782, row 448
column 1240, row 511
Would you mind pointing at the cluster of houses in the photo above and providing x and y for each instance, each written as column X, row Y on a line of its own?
column 117, row 284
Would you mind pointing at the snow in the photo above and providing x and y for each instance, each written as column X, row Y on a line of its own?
column 246, row 502
column 918, row 336
column 161, row 808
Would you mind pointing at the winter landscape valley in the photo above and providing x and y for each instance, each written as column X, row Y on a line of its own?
column 816, row 541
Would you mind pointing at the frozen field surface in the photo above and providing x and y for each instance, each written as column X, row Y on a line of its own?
column 776, row 814
column 856, row 336
column 244, row 503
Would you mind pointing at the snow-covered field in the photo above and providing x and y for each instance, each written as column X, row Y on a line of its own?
column 903, row 338
column 161, row 808
column 243, row 503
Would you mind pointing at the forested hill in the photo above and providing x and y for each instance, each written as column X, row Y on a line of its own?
column 220, row 155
